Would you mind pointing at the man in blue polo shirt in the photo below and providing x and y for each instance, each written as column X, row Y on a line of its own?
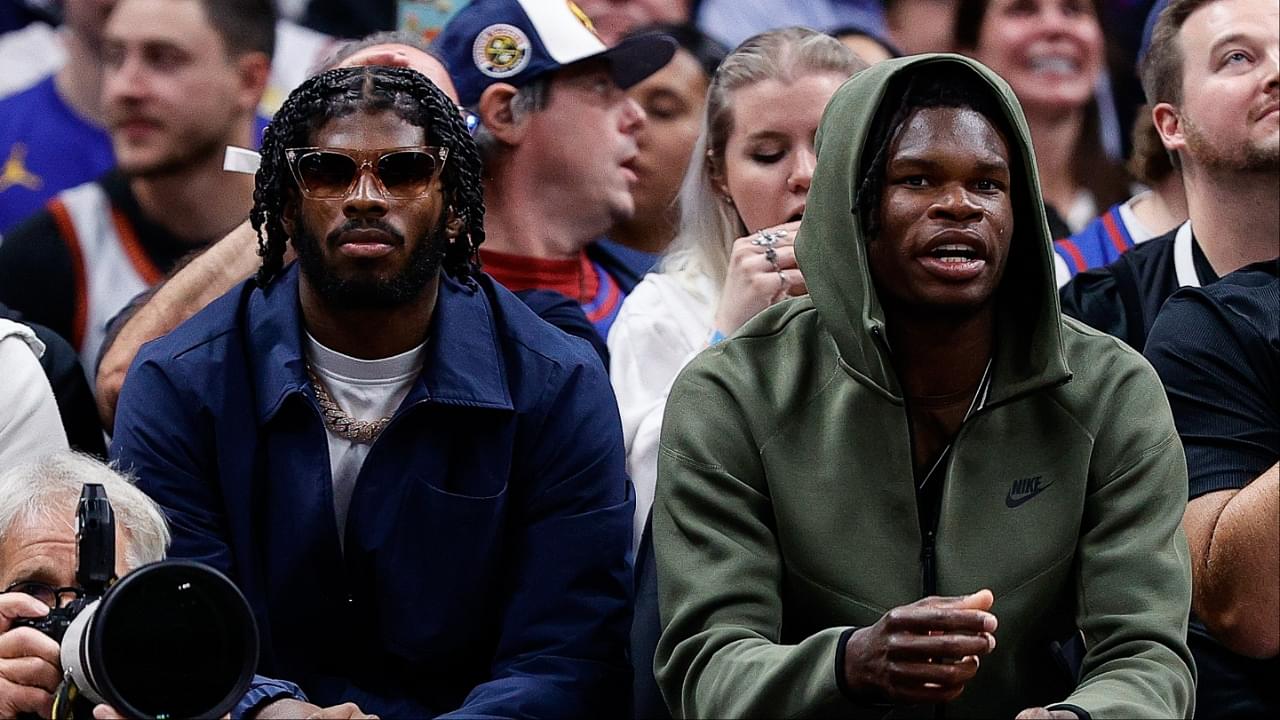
column 417, row 483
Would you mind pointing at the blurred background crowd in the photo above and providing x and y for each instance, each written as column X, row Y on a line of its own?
column 129, row 131
column 1071, row 63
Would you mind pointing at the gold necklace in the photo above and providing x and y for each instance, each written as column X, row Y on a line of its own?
column 340, row 421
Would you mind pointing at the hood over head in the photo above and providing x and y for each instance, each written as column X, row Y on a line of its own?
column 831, row 246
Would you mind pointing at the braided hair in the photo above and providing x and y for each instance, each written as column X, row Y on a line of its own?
column 341, row 92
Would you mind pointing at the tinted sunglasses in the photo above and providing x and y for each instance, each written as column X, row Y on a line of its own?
column 332, row 173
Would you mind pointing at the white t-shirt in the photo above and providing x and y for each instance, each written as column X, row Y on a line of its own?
column 1137, row 231
column 365, row 390
column 1082, row 211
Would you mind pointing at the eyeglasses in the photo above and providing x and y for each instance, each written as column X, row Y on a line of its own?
column 53, row 597
column 331, row 173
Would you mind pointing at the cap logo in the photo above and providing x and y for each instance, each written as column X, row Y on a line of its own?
column 582, row 17
column 501, row 51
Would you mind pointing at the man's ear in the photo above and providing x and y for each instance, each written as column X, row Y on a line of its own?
column 1168, row 123
column 289, row 212
column 253, row 70
column 495, row 113
column 453, row 225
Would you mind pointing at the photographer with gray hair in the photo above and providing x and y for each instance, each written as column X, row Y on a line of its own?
column 38, row 562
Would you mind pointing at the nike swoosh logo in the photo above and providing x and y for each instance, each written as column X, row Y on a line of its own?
column 1015, row 499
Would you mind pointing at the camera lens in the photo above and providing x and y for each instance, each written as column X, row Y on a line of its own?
column 173, row 639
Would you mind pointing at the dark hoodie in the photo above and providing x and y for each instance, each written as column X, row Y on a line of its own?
column 786, row 510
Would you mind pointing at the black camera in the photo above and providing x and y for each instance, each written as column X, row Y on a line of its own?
column 54, row 624
column 173, row 639
column 96, row 561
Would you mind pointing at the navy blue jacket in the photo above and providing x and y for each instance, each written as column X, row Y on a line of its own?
column 485, row 568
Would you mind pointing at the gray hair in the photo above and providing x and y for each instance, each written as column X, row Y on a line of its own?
column 45, row 491
column 708, row 223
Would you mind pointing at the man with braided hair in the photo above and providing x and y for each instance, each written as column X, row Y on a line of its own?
column 229, row 261
column 417, row 483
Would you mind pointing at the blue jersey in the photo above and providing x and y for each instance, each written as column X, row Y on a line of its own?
column 1099, row 243
column 45, row 147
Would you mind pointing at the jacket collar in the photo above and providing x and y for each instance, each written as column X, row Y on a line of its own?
column 463, row 365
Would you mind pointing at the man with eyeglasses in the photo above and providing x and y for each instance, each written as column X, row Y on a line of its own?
column 38, row 563
column 417, row 483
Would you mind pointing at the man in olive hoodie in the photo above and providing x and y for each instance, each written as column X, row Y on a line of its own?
column 912, row 488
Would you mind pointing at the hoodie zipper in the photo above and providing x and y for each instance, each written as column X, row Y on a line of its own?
column 929, row 528
column 928, row 531
column 928, row 569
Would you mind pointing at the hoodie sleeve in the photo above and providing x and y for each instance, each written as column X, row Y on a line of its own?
column 720, row 573
column 1134, row 573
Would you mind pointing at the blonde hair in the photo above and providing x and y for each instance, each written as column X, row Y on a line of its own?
column 709, row 224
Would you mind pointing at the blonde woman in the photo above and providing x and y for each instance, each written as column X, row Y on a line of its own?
column 740, row 206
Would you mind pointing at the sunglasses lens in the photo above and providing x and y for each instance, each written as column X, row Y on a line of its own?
column 326, row 174
column 408, row 173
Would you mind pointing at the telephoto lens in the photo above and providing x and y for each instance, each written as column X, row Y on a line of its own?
column 174, row 639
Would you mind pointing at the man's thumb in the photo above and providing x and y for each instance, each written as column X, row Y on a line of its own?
column 981, row 600
column 15, row 605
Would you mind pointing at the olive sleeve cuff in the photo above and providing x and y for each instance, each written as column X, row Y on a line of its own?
column 1081, row 712
column 842, row 682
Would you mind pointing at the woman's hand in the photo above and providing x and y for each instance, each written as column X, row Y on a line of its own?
column 762, row 271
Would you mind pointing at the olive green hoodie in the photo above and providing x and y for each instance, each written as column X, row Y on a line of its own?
column 786, row 511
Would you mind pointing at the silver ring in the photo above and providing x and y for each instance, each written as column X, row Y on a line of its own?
column 781, row 278
column 768, row 238
column 771, row 255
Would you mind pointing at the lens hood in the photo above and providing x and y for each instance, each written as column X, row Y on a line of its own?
column 174, row 639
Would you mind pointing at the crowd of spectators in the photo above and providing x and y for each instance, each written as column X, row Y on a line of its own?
column 654, row 358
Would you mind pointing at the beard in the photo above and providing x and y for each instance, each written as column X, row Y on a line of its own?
column 364, row 292
column 1250, row 157
column 195, row 150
